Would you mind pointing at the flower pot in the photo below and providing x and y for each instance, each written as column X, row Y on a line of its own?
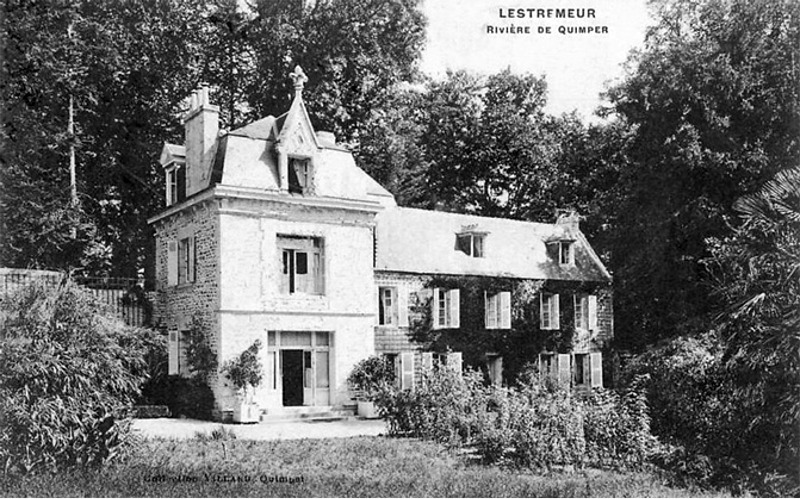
column 246, row 412
column 367, row 409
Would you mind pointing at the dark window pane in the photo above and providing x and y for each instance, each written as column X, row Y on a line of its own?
column 302, row 262
column 463, row 244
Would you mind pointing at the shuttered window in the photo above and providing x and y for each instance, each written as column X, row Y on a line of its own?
column 549, row 311
column 406, row 373
column 498, row 310
column 302, row 265
column 586, row 312
column 446, row 308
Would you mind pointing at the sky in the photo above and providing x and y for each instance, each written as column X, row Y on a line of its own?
column 577, row 66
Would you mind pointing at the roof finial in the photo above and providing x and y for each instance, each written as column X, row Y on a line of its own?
column 299, row 78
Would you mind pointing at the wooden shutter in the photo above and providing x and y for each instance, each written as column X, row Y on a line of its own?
column 564, row 369
column 192, row 271
column 407, row 370
column 454, row 361
column 544, row 311
column 435, row 309
column 172, row 263
column 592, row 301
column 172, row 351
column 555, row 313
column 427, row 361
column 596, row 363
column 402, row 306
column 505, row 310
column 455, row 308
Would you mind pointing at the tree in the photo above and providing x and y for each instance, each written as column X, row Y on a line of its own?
column 712, row 102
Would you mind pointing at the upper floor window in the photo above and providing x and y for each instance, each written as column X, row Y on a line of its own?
column 497, row 310
column 181, row 261
column 302, row 265
column 549, row 311
column 387, row 306
column 186, row 260
column 471, row 244
column 446, row 309
column 585, row 312
column 176, row 184
column 299, row 175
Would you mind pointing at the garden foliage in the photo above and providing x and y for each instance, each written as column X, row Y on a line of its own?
column 533, row 425
column 369, row 376
column 68, row 377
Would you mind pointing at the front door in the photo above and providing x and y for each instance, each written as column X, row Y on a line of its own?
column 292, row 373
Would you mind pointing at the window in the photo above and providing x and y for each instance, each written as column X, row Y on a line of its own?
column 387, row 306
column 181, row 261
column 450, row 360
column 445, row 308
column 470, row 244
column 302, row 265
column 587, row 370
column 186, row 260
column 176, row 184
column 585, row 312
column 549, row 313
column 498, row 310
column 566, row 253
column 299, row 175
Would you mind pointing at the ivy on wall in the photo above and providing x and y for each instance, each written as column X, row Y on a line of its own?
column 519, row 345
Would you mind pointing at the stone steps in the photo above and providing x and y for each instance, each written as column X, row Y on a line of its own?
column 320, row 413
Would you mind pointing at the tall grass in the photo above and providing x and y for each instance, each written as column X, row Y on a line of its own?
column 355, row 467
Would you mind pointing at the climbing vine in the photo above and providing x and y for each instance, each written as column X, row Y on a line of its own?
column 519, row 346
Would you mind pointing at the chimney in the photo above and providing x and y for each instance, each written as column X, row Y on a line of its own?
column 569, row 219
column 201, row 123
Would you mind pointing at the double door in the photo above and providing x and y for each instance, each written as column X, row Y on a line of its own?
column 305, row 377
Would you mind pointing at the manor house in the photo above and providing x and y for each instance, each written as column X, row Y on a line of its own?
column 271, row 232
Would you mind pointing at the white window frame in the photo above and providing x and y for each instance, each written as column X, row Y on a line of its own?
column 476, row 247
column 549, row 312
column 289, row 249
column 186, row 260
column 387, row 301
column 446, row 308
column 497, row 310
column 585, row 312
column 295, row 163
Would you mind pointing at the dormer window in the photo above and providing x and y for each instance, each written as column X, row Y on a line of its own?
column 176, row 184
column 471, row 243
column 566, row 253
column 299, row 175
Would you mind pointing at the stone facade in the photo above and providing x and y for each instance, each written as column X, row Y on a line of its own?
column 292, row 244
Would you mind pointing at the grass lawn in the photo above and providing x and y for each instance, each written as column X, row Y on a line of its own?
column 362, row 466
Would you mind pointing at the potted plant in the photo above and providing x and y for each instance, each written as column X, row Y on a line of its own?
column 366, row 380
column 245, row 371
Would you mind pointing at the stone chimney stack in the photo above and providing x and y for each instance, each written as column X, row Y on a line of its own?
column 201, row 123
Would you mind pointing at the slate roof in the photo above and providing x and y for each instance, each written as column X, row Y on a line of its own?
column 424, row 242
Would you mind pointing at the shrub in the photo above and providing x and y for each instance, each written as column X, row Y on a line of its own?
column 245, row 370
column 68, row 377
column 447, row 406
column 369, row 376
column 617, row 429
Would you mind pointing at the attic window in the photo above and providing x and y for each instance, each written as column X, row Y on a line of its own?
column 566, row 253
column 299, row 175
column 176, row 184
column 470, row 243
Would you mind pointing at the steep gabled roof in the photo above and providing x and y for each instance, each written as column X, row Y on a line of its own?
column 265, row 129
column 424, row 242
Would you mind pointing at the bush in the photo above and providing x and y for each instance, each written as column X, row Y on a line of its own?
column 68, row 377
column 245, row 370
column 535, row 426
column 369, row 376
column 447, row 406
